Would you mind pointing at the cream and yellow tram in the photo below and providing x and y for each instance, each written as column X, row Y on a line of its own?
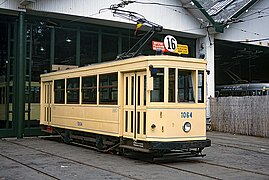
column 154, row 104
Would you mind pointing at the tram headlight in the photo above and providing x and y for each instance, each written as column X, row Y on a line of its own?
column 186, row 127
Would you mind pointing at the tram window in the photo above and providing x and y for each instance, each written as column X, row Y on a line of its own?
column 145, row 90
column 157, row 94
column 200, row 86
column 72, row 91
column 138, row 122
column 145, row 123
column 126, row 121
column 172, row 85
column 185, row 86
column 89, row 90
column 59, row 94
column 138, row 90
column 108, row 88
column 126, row 91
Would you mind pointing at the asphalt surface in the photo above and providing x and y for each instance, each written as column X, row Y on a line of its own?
column 229, row 157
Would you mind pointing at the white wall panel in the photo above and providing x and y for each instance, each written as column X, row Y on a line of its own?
column 165, row 16
column 252, row 27
column 10, row 5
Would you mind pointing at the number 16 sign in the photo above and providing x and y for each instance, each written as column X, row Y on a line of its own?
column 170, row 43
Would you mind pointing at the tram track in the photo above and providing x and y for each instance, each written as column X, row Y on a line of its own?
column 30, row 167
column 100, row 168
column 65, row 158
column 165, row 165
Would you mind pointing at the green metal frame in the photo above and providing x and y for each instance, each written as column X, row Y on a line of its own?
column 219, row 27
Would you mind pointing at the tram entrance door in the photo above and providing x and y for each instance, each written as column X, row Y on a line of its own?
column 48, row 100
column 135, row 105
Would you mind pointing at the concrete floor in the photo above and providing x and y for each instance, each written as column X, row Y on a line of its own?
column 229, row 157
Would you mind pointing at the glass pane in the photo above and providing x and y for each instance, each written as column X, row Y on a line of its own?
column 59, row 91
column 109, row 47
column 72, row 91
column 201, row 86
column 172, row 85
column 108, row 84
column 89, row 89
column 157, row 95
column 88, row 48
column 185, row 86
column 65, row 47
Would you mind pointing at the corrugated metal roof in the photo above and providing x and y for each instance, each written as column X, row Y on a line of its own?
column 222, row 10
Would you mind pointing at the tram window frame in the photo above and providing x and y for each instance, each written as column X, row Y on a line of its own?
column 59, row 91
column 72, row 90
column 157, row 94
column 185, row 87
column 108, row 88
column 172, row 85
column 89, row 90
column 201, row 87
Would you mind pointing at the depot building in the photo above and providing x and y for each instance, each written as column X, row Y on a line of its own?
column 38, row 34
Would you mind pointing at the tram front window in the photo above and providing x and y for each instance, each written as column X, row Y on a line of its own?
column 157, row 95
column 185, row 86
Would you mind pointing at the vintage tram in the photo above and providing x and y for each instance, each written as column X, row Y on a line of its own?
column 151, row 104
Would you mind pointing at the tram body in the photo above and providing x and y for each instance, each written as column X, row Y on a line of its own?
column 147, row 104
column 32, row 106
column 246, row 89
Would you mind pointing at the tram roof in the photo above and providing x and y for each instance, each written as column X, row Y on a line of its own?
column 135, row 63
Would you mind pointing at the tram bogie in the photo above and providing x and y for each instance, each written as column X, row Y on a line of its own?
column 154, row 104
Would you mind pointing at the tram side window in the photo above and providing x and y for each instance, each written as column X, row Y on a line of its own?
column 89, row 90
column 157, row 95
column 2, row 95
column 201, row 87
column 172, row 85
column 59, row 91
column 72, row 91
column 108, row 88
column 185, row 86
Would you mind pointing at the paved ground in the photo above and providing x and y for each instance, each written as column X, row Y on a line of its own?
column 229, row 157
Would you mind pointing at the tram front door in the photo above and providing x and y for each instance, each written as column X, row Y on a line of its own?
column 135, row 105
column 48, row 100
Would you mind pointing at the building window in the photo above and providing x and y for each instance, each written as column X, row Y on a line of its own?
column 201, row 87
column 72, row 91
column 185, row 86
column 59, row 91
column 108, row 88
column 65, row 47
column 88, row 48
column 157, row 95
column 89, row 90
column 109, row 47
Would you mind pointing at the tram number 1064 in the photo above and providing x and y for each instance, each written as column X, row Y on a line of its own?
column 186, row 115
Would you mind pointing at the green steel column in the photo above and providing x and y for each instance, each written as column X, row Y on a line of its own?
column 20, row 77
column 78, row 48
column 99, row 46
column 52, row 42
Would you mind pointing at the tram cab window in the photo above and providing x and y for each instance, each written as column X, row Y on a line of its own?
column 172, row 85
column 200, row 86
column 157, row 94
column 72, row 91
column 185, row 86
column 89, row 90
column 59, row 94
column 108, row 88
